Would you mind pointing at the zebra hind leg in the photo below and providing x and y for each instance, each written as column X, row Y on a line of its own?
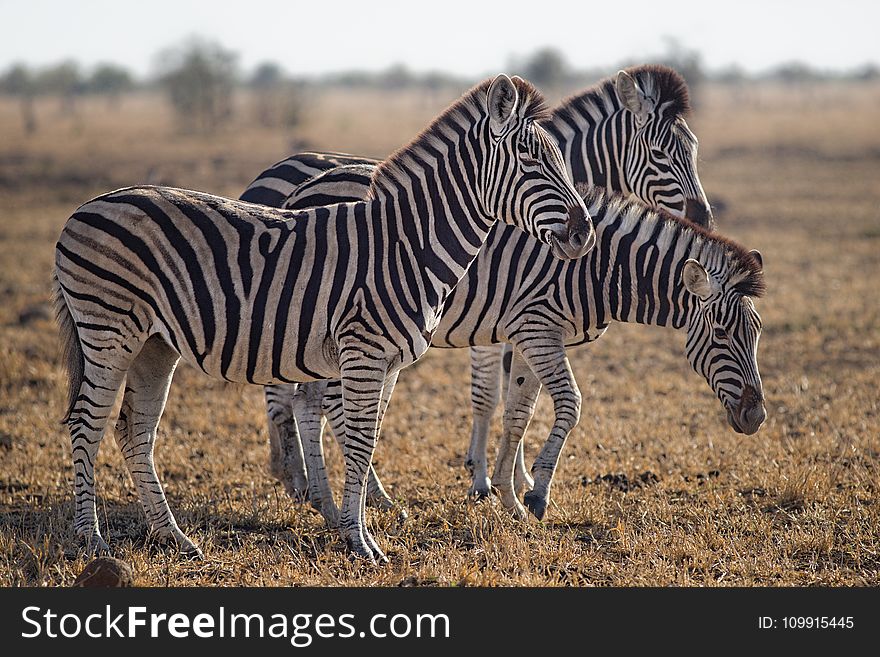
column 87, row 422
column 146, row 391
column 286, row 460
column 307, row 408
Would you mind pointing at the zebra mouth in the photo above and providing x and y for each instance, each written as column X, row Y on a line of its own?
column 576, row 246
column 746, row 423
column 731, row 420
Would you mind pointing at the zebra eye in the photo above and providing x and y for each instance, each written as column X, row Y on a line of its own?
column 658, row 154
column 720, row 334
column 529, row 161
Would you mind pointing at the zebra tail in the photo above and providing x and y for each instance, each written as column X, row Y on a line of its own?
column 71, row 350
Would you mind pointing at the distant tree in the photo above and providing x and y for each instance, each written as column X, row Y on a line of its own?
column 199, row 78
column 866, row 73
column 733, row 74
column 277, row 101
column 795, row 73
column 111, row 81
column 267, row 75
column 19, row 82
column 546, row 67
column 63, row 80
column 396, row 76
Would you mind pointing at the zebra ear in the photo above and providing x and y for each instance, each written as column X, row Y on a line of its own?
column 696, row 279
column 632, row 96
column 757, row 256
column 502, row 100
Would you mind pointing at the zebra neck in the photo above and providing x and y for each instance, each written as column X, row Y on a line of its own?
column 593, row 139
column 638, row 268
column 443, row 221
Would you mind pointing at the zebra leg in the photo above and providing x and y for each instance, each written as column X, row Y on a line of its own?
column 377, row 497
column 362, row 382
column 146, row 391
column 485, row 388
column 332, row 409
column 522, row 479
column 87, row 423
column 286, row 461
column 554, row 371
column 307, row 407
column 518, row 410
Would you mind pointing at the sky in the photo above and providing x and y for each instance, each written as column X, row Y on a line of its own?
column 470, row 37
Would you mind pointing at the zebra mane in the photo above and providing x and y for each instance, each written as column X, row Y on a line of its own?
column 724, row 257
column 662, row 82
column 471, row 107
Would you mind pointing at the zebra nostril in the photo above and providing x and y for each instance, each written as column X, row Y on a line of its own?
column 698, row 212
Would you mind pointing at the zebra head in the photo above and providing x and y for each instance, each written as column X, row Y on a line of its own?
column 525, row 182
column 660, row 163
column 722, row 338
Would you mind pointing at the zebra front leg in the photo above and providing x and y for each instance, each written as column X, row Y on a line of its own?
column 307, row 408
column 146, row 391
column 377, row 497
column 485, row 390
column 286, row 460
column 518, row 410
column 362, row 380
column 522, row 480
column 332, row 408
column 553, row 370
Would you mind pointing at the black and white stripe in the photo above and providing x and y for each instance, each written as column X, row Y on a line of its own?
column 146, row 276
column 647, row 268
column 626, row 134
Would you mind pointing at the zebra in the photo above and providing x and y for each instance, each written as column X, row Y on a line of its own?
column 516, row 292
column 627, row 134
column 145, row 276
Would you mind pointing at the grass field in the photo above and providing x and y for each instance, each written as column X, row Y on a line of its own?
column 791, row 172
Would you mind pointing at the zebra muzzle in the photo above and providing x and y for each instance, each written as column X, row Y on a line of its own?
column 750, row 413
column 578, row 240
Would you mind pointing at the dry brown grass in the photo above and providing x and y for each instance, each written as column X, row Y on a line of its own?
column 689, row 503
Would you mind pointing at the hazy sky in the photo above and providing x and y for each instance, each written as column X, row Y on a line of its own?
column 470, row 37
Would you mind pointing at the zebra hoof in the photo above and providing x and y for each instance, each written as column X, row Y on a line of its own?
column 360, row 551
column 536, row 504
column 381, row 502
column 330, row 514
column 298, row 496
column 97, row 547
column 193, row 555
column 480, row 490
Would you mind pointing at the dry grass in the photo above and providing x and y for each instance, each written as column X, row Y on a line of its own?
column 653, row 487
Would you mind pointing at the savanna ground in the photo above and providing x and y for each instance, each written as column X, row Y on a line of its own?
column 653, row 487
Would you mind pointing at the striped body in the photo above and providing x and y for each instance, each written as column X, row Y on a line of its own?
column 625, row 135
column 516, row 292
column 146, row 276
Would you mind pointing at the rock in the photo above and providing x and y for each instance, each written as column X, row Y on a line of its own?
column 105, row 572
